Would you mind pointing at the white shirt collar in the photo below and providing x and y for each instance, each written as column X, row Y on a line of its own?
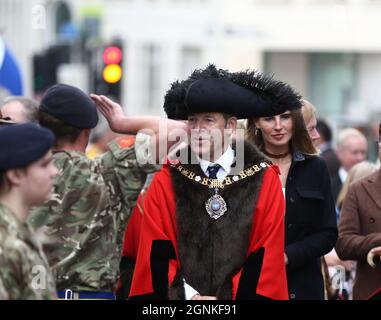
column 225, row 161
column 343, row 174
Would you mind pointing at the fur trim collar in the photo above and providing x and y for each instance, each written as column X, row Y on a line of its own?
column 212, row 251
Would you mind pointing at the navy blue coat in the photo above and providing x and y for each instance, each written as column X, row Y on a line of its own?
column 310, row 222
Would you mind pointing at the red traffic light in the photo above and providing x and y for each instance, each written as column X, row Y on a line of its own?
column 112, row 55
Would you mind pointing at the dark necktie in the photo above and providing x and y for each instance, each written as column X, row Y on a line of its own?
column 213, row 169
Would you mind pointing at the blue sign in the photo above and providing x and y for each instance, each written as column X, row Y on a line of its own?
column 10, row 75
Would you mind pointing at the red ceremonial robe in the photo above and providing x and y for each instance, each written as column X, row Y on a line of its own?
column 262, row 275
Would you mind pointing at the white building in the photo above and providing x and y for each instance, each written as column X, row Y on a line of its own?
column 330, row 50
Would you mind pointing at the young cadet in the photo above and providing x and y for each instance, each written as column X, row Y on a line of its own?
column 26, row 179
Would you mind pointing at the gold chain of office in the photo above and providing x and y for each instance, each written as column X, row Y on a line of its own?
column 215, row 183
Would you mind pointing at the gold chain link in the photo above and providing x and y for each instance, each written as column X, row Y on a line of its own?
column 215, row 183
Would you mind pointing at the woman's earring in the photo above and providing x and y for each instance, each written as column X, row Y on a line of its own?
column 256, row 131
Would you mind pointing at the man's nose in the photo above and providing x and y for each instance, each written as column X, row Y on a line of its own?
column 199, row 125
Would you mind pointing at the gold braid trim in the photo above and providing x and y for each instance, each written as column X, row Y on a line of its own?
column 229, row 180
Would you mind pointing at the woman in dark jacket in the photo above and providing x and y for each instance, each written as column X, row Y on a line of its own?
column 310, row 219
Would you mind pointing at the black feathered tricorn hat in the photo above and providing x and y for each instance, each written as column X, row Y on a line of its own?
column 243, row 94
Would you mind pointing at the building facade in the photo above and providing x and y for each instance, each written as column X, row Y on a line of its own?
column 329, row 50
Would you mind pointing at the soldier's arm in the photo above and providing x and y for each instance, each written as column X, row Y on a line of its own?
column 164, row 132
column 121, row 123
column 125, row 167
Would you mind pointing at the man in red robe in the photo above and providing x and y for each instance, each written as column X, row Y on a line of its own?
column 210, row 230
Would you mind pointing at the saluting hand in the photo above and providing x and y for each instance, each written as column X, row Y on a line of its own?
column 111, row 110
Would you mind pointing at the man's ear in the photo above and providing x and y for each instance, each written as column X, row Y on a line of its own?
column 14, row 176
column 232, row 123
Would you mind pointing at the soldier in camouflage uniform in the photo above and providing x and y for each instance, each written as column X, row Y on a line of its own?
column 83, row 224
column 24, row 271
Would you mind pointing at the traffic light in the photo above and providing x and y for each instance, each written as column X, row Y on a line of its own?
column 45, row 66
column 40, row 73
column 112, row 70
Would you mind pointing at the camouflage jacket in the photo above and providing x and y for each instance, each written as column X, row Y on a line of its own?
column 24, row 271
column 82, row 226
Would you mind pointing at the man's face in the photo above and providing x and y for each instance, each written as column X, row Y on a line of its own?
column 208, row 132
column 37, row 181
column 15, row 111
column 352, row 152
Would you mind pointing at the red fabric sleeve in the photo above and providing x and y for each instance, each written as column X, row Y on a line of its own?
column 158, row 224
column 268, row 232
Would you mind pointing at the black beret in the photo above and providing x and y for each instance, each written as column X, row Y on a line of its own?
column 22, row 144
column 70, row 105
column 224, row 96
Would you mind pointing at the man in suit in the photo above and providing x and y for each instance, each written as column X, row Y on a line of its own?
column 351, row 149
column 360, row 232
column 19, row 109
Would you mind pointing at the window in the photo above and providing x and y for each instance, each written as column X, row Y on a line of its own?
column 190, row 60
column 151, row 65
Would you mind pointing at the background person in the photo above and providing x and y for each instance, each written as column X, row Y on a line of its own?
column 351, row 149
column 360, row 232
column 19, row 109
column 324, row 144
